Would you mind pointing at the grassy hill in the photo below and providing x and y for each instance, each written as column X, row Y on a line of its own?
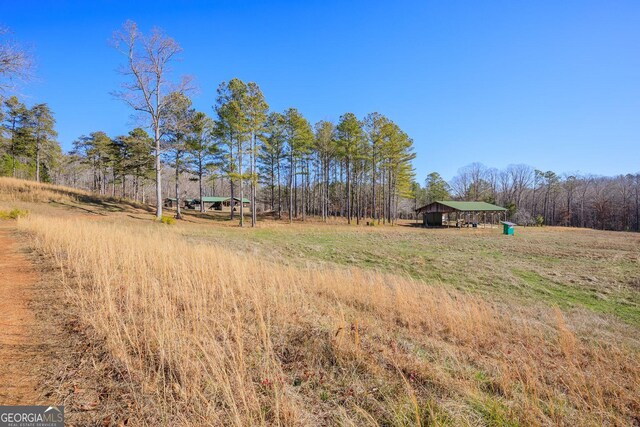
column 204, row 323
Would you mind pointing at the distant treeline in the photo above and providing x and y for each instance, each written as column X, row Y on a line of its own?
column 545, row 197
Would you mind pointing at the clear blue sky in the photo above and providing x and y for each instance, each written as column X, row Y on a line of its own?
column 554, row 84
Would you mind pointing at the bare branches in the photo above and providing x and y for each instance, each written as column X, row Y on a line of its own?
column 15, row 61
column 148, row 61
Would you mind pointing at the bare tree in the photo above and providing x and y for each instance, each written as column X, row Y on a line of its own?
column 521, row 178
column 470, row 181
column 148, row 60
column 15, row 61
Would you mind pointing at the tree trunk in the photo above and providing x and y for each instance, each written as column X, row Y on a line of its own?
column 273, row 184
column 37, row 159
column 279, row 193
column 348, row 167
column 200, row 190
column 304, row 171
column 241, row 183
column 178, row 213
column 254, row 211
column 292, row 170
column 158, row 172
column 374, row 212
column 295, row 192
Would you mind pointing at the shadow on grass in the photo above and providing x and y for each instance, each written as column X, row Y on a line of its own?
column 141, row 218
column 70, row 206
column 109, row 204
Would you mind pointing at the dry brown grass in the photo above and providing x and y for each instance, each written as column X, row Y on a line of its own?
column 204, row 336
column 13, row 189
column 197, row 334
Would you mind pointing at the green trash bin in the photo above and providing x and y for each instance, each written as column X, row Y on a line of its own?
column 507, row 228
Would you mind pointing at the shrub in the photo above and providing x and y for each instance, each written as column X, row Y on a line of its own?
column 167, row 220
column 14, row 213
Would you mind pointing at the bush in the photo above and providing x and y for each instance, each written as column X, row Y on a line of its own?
column 167, row 220
column 14, row 213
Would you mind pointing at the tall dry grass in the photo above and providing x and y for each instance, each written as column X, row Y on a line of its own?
column 208, row 337
column 20, row 190
column 14, row 190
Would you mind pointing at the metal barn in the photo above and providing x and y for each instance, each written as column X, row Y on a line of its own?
column 460, row 214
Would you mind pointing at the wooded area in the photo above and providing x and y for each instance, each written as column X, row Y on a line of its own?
column 357, row 168
column 545, row 197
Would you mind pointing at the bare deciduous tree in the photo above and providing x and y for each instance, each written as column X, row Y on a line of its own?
column 15, row 61
column 148, row 61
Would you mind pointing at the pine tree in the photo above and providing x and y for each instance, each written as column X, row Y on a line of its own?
column 256, row 110
column 350, row 137
column 436, row 188
column 42, row 134
column 299, row 137
column 231, row 131
column 272, row 153
column 95, row 150
column 373, row 125
column 201, row 148
column 141, row 165
column 325, row 147
column 176, row 126
column 397, row 154
column 15, row 124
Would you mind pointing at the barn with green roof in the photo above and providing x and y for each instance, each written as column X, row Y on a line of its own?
column 450, row 212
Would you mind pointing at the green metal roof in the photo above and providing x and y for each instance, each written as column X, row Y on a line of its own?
column 214, row 199
column 471, row 206
column 173, row 199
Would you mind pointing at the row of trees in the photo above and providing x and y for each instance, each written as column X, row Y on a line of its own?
column 545, row 197
column 354, row 169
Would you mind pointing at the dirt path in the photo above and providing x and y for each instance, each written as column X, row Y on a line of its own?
column 21, row 358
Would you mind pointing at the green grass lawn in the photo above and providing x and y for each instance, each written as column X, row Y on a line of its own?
column 599, row 271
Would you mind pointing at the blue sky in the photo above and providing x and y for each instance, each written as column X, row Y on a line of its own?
column 554, row 84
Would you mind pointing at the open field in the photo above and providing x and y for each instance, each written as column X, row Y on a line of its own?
column 568, row 267
column 311, row 324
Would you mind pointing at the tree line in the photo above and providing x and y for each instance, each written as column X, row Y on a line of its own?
column 354, row 169
column 537, row 197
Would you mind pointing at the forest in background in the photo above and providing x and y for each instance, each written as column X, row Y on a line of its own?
column 358, row 168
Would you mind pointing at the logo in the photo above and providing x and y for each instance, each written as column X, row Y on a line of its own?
column 32, row 416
